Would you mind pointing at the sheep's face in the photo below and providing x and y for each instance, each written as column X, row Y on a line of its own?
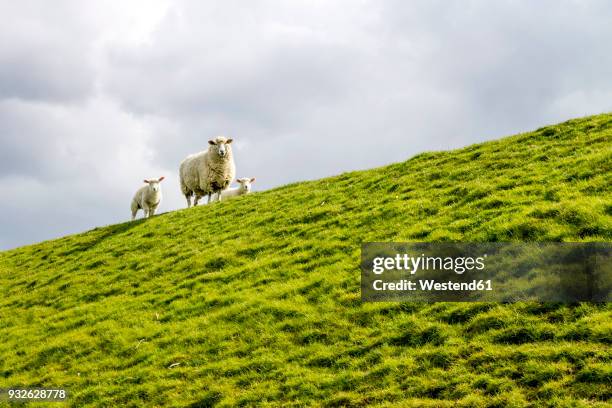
column 154, row 184
column 245, row 183
column 154, row 187
column 220, row 146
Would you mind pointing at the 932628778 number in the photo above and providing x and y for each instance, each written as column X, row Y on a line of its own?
column 38, row 394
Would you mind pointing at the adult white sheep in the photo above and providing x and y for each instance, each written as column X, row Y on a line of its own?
column 243, row 188
column 147, row 198
column 208, row 172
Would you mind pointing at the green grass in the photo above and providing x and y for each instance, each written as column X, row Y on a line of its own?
column 256, row 301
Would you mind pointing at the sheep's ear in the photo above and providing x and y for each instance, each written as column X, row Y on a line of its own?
column 212, row 142
column 253, row 180
column 161, row 178
column 147, row 181
column 228, row 141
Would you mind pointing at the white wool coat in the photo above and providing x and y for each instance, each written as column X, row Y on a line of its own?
column 206, row 172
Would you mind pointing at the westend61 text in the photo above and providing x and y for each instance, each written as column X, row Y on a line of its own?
column 430, row 284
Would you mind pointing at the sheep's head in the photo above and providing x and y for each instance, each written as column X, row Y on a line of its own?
column 154, row 184
column 220, row 146
column 245, row 183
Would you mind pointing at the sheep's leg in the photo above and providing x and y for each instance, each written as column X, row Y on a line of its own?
column 146, row 212
column 188, row 197
column 134, row 210
column 152, row 211
column 196, row 199
column 208, row 201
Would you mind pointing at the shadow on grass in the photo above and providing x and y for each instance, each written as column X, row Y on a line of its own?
column 210, row 399
column 106, row 232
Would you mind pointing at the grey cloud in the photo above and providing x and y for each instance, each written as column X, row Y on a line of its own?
column 509, row 62
column 272, row 89
column 41, row 75
column 31, row 147
column 45, row 52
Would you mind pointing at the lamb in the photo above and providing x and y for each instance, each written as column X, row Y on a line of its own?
column 244, row 188
column 147, row 198
column 208, row 172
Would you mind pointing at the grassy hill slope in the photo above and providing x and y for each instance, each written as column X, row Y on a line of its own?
column 256, row 301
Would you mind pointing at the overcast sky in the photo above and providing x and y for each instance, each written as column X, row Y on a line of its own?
column 96, row 96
